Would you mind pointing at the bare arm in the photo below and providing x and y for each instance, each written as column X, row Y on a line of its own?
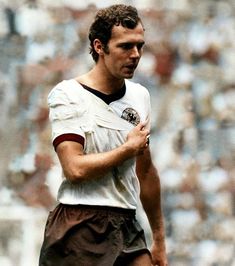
column 79, row 166
column 150, row 196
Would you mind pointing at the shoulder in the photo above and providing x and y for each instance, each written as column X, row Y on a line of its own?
column 63, row 92
column 136, row 88
column 137, row 91
column 63, row 87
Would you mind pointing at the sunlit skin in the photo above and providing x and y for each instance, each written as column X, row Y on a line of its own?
column 125, row 49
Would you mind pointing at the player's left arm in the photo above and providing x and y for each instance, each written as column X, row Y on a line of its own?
column 150, row 195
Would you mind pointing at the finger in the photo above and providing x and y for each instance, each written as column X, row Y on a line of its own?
column 141, row 126
column 145, row 123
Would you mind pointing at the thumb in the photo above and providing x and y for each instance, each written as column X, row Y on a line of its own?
column 142, row 125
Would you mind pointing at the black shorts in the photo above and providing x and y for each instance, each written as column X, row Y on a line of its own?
column 77, row 235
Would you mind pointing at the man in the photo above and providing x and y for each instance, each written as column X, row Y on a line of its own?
column 100, row 127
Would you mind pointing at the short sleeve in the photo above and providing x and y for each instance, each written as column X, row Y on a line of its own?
column 144, row 104
column 65, row 115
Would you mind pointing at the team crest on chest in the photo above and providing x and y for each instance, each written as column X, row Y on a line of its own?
column 131, row 116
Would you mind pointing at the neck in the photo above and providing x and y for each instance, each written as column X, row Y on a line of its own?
column 104, row 83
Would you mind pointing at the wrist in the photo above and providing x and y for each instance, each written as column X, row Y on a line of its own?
column 159, row 238
column 128, row 150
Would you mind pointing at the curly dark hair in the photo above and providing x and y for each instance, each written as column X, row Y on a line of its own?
column 105, row 19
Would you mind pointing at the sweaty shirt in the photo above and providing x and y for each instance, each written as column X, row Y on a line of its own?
column 77, row 114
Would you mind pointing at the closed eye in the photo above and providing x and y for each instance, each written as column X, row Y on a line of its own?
column 140, row 46
column 129, row 46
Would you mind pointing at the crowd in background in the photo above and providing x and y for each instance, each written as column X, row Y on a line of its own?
column 188, row 66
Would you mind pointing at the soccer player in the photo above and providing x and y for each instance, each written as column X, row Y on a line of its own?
column 100, row 130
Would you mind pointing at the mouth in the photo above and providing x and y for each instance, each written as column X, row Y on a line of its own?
column 131, row 67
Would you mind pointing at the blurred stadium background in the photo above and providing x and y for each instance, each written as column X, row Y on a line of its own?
column 188, row 66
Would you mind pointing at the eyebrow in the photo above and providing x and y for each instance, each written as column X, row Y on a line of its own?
column 130, row 42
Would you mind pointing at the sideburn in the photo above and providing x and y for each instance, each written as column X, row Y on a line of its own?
column 105, row 48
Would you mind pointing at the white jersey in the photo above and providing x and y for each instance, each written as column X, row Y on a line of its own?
column 77, row 114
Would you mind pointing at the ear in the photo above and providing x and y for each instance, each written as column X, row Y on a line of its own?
column 98, row 47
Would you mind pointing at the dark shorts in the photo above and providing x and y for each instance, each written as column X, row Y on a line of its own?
column 91, row 236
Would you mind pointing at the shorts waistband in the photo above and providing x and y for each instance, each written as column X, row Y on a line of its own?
column 104, row 209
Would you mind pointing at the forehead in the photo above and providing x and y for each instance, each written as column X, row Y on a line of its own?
column 122, row 34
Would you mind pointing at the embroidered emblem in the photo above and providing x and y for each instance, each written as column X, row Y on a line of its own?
column 131, row 116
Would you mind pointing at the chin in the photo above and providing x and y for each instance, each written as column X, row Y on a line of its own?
column 128, row 76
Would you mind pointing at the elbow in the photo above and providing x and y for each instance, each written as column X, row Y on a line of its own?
column 75, row 174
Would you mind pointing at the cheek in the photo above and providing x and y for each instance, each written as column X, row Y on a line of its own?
column 114, row 61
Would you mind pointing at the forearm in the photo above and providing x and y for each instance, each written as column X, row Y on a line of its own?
column 150, row 193
column 78, row 166
column 151, row 201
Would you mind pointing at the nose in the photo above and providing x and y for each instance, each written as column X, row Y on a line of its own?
column 135, row 52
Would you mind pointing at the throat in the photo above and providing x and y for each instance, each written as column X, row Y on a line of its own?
column 107, row 98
